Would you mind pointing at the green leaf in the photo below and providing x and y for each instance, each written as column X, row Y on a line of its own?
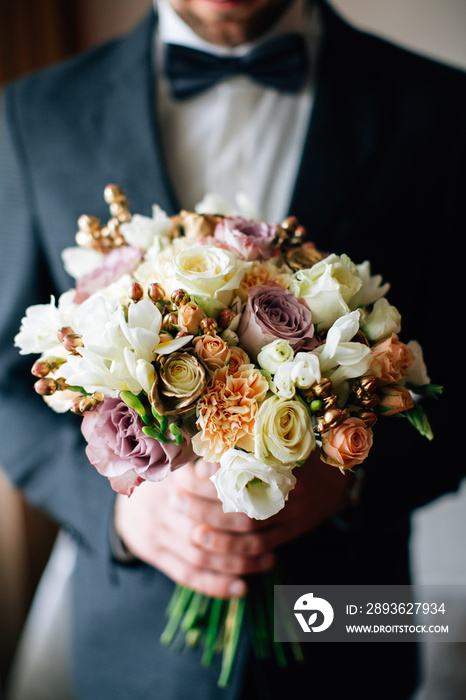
column 418, row 418
column 428, row 391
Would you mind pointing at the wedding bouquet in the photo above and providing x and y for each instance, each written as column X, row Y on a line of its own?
column 213, row 334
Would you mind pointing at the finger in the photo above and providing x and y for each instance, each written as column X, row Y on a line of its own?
column 248, row 544
column 208, row 512
column 221, row 563
column 205, row 581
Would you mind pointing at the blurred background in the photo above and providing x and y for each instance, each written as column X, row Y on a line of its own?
column 37, row 33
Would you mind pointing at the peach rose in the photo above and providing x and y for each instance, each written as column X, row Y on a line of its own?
column 189, row 317
column 212, row 350
column 394, row 399
column 238, row 357
column 226, row 412
column 347, row 445
column 390, row 360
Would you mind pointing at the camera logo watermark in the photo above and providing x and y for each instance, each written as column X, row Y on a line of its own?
column 309, row 604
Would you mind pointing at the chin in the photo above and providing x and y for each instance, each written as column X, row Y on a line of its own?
column 229, row 22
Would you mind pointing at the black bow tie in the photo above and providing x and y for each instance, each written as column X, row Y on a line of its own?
column 280, row 63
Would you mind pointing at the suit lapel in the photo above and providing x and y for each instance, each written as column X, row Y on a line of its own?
column 129, row 141
column 345, row 127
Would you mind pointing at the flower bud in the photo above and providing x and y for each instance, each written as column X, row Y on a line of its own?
column 84, row 404
column 225, row 318
column 180, row 297
column 155, row 292
column 41, row 368
column 394, row 399
column 169, row 321
column 290, row 224
column 369, row 418
column 368, row 400
column 63, row 332
column 322, row 388
column 330, row 419
column 46, row 386
column 208, row 325
column 367, row 384
column 72, row 341
column 135, row 292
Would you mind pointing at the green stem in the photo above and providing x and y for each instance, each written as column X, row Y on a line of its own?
column 212, row 630
column 176, row 610
column 233, row 626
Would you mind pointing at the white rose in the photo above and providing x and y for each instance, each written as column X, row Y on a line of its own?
column 382, row 321
column 327, row 288
column 246, row 485
column 283, row 432
column 273, row 355
column 211, row 275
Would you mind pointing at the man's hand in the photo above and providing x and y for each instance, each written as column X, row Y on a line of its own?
column 179, row 527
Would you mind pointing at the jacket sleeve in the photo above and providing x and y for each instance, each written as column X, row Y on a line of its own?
column 42, row 452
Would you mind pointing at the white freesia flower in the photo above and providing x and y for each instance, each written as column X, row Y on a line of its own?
column 145, row 231
column 79, row 261
column 39, row 328
column 213, row 203
column 327, row 288
column 372, row 287
column 246, row 485
column 302, row 372
column 382, row 321
column 273, row 355
column 340, row 358
column 283, row 432
column 118, row 349
column 417, row 371
column 211, row 275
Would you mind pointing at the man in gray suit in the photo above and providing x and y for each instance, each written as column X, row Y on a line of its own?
column 365, row 144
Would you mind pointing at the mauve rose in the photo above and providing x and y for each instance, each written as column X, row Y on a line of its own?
column 273, row 312
column 120, row 261
column 248, row 239
column 119, row 450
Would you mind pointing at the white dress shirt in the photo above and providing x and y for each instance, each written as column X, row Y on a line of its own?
column 237, row 137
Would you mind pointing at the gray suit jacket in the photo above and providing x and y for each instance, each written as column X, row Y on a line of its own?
column 382, row 177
